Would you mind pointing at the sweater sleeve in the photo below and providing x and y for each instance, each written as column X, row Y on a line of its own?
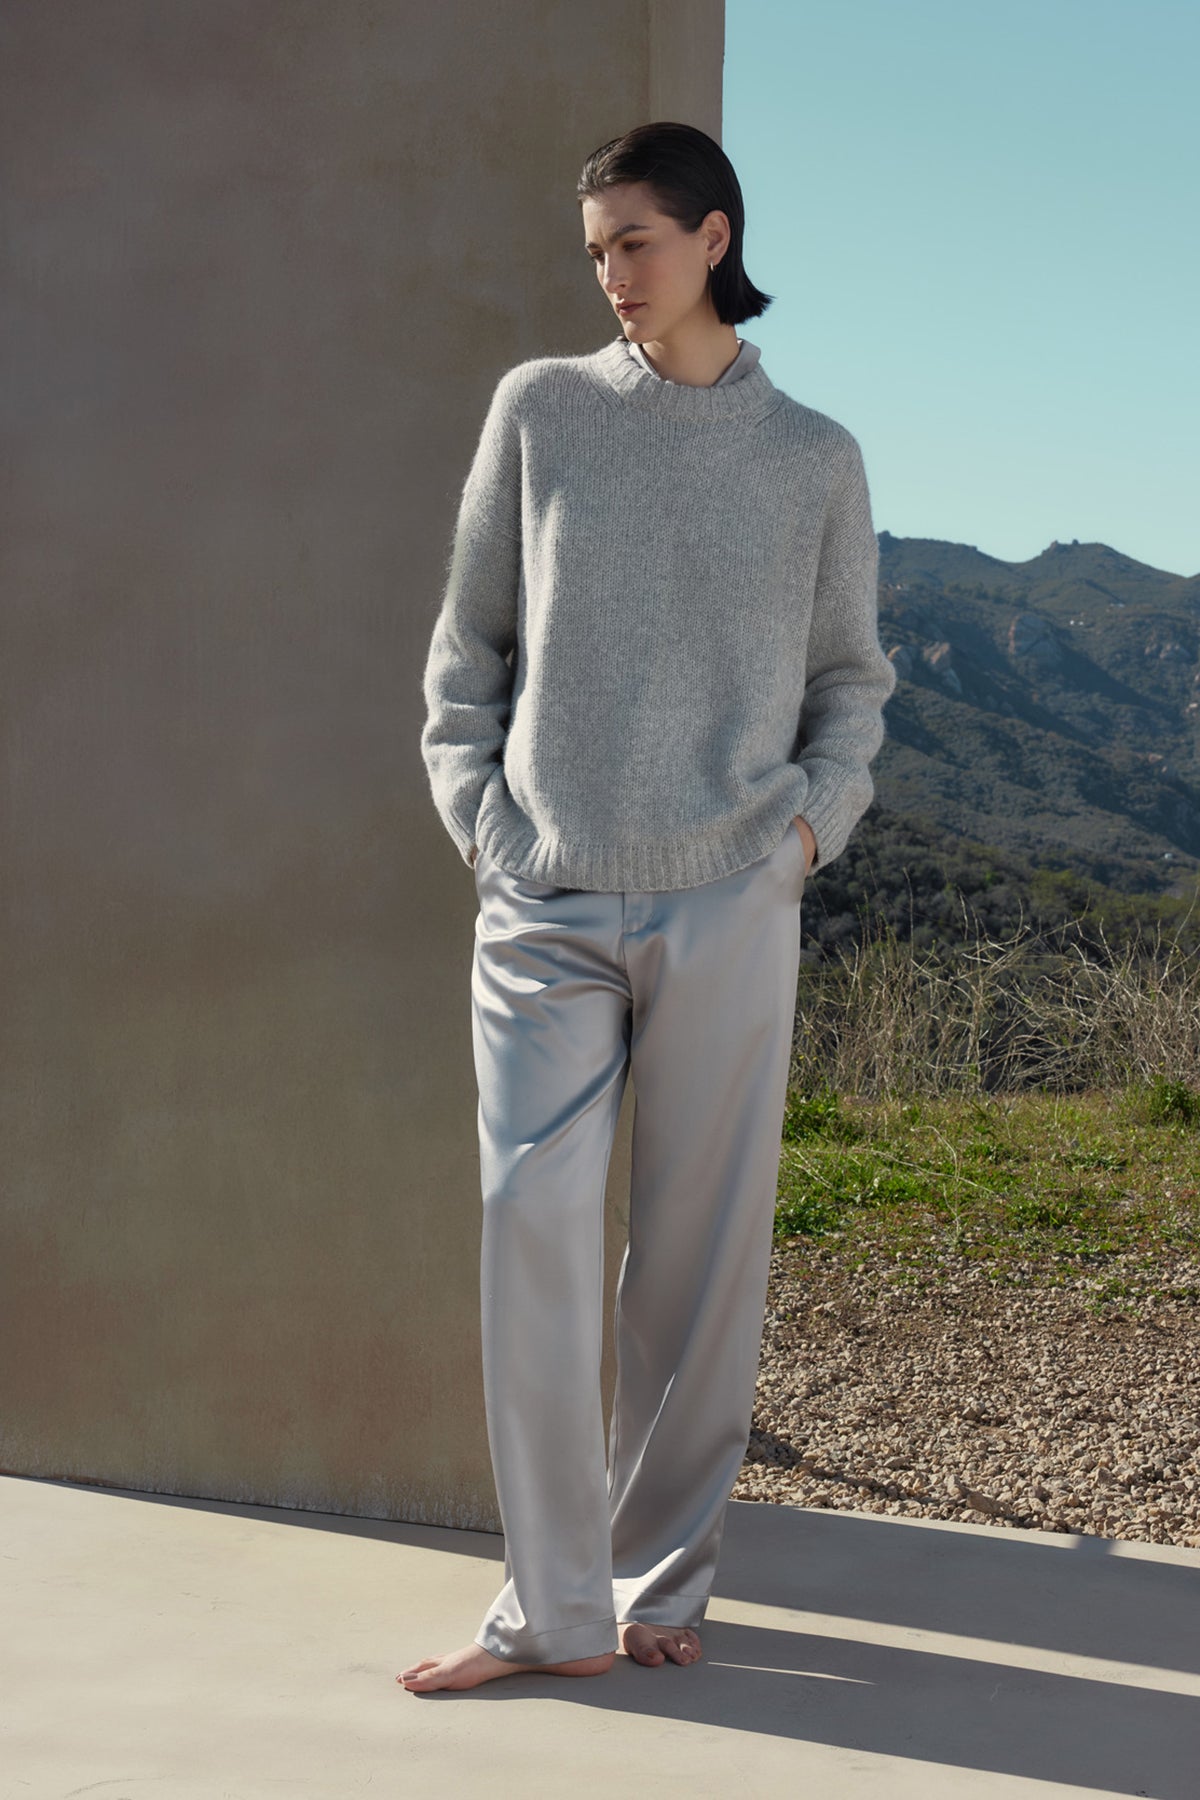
column 848, row 678
column 467, row 682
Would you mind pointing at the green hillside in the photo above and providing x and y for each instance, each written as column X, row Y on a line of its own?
column 1049, row 708
column 938, row 888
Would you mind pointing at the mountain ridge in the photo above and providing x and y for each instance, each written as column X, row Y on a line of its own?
column 1051, row 707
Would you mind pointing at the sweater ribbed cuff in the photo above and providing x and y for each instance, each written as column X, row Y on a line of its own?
column 833, row 809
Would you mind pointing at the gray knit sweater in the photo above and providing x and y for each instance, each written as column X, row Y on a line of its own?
column 657, row 641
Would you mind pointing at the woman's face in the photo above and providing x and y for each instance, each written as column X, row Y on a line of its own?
column 643, row 255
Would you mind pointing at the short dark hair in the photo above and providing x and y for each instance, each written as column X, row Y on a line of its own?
column 690, row 176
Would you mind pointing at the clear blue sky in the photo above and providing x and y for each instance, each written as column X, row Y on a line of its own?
column 982, row 229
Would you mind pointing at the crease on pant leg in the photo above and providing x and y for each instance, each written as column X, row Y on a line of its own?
column 648, row 1597
column 504, row 1632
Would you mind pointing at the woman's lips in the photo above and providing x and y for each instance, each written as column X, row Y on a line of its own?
column 626, row 310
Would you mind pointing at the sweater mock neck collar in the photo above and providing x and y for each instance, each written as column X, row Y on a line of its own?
column 624, row 381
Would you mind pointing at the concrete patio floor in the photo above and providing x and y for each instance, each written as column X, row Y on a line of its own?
column 200, row 1650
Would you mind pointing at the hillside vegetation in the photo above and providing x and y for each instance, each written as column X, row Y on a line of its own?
column 1050, row 708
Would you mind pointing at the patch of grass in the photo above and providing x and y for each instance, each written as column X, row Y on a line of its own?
column 817, row 1115
column 1040, row 1212
column 805, row 1215
column 1094, row 1159
column 1172, row 1103
column 1012, row 1179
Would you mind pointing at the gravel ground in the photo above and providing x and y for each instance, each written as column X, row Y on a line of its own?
column 966, row 1399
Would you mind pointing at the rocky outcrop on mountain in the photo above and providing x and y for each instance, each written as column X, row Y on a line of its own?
column 939, row 660
column 1168, row 650
column 1032, row 635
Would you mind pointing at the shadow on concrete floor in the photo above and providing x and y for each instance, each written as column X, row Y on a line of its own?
column 177, row 1647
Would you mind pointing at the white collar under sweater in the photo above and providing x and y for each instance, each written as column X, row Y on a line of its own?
column 748, row 354
column 657, row 642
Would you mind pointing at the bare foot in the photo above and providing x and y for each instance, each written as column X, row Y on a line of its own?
column 468, row 1667
column 654, row 1644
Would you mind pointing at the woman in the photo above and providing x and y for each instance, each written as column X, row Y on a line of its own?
column 653, row 689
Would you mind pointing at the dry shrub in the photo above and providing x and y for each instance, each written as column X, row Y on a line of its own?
column 997, row 1014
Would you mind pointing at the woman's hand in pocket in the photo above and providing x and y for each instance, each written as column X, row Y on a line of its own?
column 808, row 839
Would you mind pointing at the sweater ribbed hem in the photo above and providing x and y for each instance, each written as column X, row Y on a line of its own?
column 513, row 843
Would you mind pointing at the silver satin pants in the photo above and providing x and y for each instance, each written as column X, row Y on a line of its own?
column 693, row 994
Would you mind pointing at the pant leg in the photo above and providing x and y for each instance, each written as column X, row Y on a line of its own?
column 551, row 1023
column 713, row 977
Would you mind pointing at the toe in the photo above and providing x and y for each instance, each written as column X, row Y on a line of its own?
column 641, row 1642
column 422, row 1674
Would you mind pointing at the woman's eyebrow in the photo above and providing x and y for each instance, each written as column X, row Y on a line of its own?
column 592, row 245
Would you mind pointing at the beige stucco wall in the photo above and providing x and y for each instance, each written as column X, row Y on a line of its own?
column 263, row 267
